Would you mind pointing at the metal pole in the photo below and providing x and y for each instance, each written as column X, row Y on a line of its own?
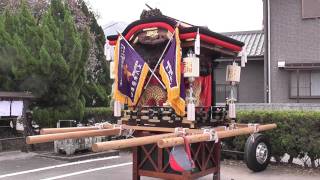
column 298, row 86
column 149, row 6
column 152, row 72
column 159, row 61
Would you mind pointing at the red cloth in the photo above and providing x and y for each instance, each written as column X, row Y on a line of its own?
column 180, row 157
column 205, row 95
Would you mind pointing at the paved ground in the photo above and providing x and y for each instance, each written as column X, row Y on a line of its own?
column 17, row 165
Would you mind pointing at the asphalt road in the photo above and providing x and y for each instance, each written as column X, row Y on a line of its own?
column 32, row 167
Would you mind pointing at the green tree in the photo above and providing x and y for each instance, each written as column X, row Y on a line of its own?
column 69, row 51
column 56, row 51
column 47, row 57
column 98, row 84
column 7, row 52
column 21, row 39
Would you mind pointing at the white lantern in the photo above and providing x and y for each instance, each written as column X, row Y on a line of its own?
column 191, row 67
column 233, row 73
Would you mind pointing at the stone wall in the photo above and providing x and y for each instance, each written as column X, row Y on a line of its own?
column 11, row 144
column 18, row 143
column 278, row 106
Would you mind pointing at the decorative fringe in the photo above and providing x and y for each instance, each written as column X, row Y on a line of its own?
column 197, row 44
column 244, row 58
column 191, row 112
column 117, row 109
column 108, row 51
column 179, row 106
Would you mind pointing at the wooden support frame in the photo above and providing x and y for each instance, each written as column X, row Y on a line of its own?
column 151, row 161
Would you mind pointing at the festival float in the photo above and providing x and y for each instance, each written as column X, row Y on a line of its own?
column 164, row 99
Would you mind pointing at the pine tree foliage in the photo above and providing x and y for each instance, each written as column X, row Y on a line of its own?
column 53, row 37
column 47, row 57
column 55, row 50
column 98, row 84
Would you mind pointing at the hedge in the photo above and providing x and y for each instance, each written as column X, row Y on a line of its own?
column 297, row 134
column 48, row 117
column 99, row 114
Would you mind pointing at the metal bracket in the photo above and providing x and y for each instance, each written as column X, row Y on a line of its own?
column 117, row 126
column 180, row 131
column 212, row 133
column 255, row 130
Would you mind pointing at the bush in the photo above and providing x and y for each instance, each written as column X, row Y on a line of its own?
column 297, row 134
column 99, row 114
column 48, row 117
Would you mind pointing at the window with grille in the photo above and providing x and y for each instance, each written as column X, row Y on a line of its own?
column 305, row 84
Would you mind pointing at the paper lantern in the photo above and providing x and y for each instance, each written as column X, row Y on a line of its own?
column 191, row 67
column 233, row 73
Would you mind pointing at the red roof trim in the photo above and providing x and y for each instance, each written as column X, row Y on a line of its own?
column 145, row 26
column 163, row 25
column 211, row 40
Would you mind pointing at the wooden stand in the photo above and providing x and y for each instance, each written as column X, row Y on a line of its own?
column 151, row 161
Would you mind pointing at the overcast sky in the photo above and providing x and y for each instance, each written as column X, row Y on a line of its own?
column 218, row 15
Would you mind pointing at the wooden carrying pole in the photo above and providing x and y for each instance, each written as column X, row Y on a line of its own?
column 169, row 142
column 110, row 126
column 160, row 129
column 65, row 130
column 125, row 143
column 71, row 135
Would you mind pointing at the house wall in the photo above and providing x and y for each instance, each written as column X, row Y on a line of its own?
column 293, row 40
column 251, row 87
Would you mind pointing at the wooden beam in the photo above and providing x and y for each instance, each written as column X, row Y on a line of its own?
column 126, row 143
column 137, row 128
column 64, row 130
column 71, row 135
column 169, row 142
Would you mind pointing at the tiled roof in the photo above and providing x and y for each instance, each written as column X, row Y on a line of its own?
column 254, row 41
column 112, row 28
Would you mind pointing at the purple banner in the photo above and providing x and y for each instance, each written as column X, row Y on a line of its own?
column 131, row 71
column 169, row 64
column 170, row 71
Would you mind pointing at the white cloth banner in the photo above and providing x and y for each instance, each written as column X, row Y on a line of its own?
column 197, row 44
column 108, row 51
column 244, row 58
column 117, row 109
column 232, row 110
column 5, row 108
column 191, row 112
column 16, row 108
